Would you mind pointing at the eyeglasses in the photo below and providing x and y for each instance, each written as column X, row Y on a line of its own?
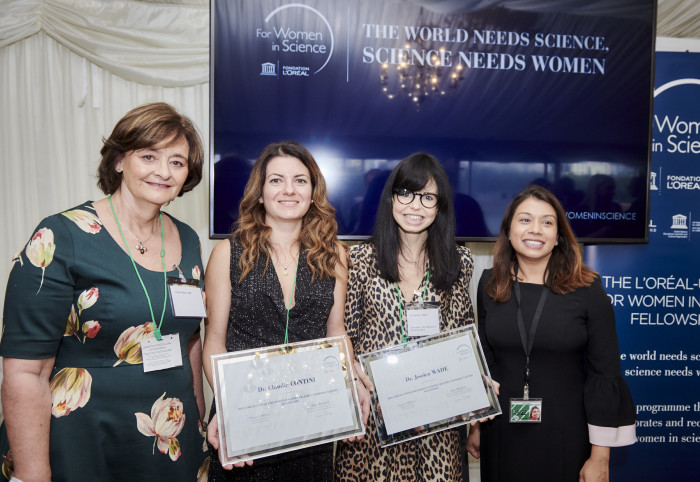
column 427, row 199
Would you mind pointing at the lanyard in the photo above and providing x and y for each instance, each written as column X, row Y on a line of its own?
column 291, row 297
column 156, row 331
column 398, row 290
column 528, row 341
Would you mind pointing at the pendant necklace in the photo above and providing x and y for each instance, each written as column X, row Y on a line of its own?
column 285, row 269
column 141, row 246
column 156, row 328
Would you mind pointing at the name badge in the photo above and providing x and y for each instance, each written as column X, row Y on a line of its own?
column 159, row 355
column 186, row 298
column 422, row 319
column 525, row 410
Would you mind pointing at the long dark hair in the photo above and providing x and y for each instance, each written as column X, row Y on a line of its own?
column 413, row 173
column 318, row 230
column 565, row 267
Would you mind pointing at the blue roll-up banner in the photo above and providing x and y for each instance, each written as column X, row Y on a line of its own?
column 655, row 289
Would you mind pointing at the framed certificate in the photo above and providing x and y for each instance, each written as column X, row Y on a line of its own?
column 286, row 397
column 429, row 384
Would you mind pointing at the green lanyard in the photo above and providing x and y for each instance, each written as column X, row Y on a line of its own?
column 425, row 291
column 156, row 331
column 291, row 296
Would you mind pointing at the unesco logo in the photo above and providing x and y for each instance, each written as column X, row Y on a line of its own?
column 679, row 221
column 268, row 68
column 299, row 41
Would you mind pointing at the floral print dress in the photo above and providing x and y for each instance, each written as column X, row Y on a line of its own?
column 73, row 295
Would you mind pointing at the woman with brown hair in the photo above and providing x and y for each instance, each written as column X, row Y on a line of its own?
column 280, row 277
column 548, row 332
column 84, row 295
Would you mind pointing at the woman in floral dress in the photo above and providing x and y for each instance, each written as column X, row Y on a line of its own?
column 83, row 295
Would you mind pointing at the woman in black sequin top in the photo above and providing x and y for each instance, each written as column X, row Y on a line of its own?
column 282, row 273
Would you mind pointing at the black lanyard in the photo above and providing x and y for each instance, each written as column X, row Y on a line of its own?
column 528, row 341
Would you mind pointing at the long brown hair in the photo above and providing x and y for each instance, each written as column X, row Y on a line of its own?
column 565, row 268
column 318, row 229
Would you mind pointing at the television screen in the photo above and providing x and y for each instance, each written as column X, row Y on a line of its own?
column 503, row 93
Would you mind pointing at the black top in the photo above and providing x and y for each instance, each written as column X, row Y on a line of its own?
column 575, row 370
column 258, row 318
column 258, row 309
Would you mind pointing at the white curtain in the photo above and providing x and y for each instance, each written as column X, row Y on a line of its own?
column 678, row 18
column 166, row 45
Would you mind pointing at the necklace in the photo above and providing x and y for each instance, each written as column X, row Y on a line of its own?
column 141, row 246
column 156, row 330
column 285, row 270
column 418, row 264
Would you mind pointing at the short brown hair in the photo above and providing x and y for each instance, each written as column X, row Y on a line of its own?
column 143, row 127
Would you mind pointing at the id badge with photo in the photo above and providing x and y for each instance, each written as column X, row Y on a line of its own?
column 524, row 410
column 422, row 319
column 186, row 298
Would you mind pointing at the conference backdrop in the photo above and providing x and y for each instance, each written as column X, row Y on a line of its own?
column 504, row 93
column 655, row 289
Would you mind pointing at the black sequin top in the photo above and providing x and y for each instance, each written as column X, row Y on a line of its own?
column 258, row 318
column 258, row 309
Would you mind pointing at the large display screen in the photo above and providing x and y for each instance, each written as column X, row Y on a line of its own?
column 503, row 93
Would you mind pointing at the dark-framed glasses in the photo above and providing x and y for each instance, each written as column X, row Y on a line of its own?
column 427, row 199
